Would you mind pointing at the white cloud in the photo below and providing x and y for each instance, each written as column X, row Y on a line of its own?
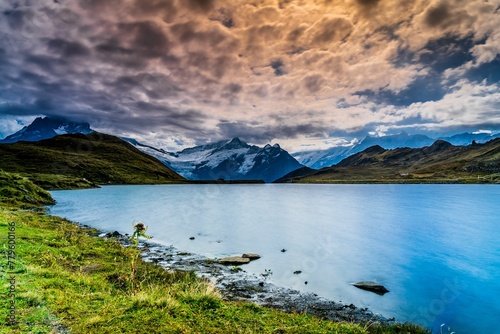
column 482, row 131
column 10, row 125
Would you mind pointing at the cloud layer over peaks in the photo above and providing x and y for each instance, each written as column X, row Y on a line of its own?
column 183, row 72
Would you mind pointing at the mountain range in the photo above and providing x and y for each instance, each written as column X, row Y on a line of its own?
column 329, row 157
column 439, row 162
column 45, row 128
column 228, row 159
column 236, row 160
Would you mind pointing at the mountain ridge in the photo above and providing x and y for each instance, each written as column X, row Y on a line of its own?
column 439, row 162
column 87, row 160
column 231, row 159
column 324, row 158
column 46, row 128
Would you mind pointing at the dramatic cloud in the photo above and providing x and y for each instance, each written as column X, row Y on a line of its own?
column 175, row 73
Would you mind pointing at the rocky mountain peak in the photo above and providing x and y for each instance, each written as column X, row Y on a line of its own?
column 47, row 127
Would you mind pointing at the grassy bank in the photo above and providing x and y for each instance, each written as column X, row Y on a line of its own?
column 68, row 281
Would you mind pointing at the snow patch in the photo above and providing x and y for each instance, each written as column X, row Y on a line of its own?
column 62, row 130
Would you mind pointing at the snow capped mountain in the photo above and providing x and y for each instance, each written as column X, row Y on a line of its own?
column 229, row 159
column 464, row 139
column 323, row 158
column 395, row 141
column 332, row 156
column 45, row 128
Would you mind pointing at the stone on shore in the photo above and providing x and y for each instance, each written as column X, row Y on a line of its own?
column 114, row 234
column 233, row 260
column 371, row 286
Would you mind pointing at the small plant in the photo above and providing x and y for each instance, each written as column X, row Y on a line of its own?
column 139, row 231
column 235, row 269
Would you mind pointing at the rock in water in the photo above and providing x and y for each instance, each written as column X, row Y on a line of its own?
column 233, row 260
column 251, row 256
column 371, row 286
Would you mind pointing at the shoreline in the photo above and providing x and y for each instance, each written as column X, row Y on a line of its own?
column 239, row 285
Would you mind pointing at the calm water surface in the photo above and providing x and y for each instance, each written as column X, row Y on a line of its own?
column 435, row 247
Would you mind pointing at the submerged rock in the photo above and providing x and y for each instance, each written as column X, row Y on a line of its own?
column 371, row 286
column 233, row 260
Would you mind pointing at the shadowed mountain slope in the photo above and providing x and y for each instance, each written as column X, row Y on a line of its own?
column 440, row 162
column 83, row 160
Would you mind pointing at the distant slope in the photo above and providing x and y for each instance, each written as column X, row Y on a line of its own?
column 228, row 159
column 326, row 158
column 440, row 162
column 96, row 157
column 329, row 157
column 45, row 128
column 304, row 171
column 464, row 139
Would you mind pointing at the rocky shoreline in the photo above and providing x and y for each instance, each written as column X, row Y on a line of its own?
column 235, row 284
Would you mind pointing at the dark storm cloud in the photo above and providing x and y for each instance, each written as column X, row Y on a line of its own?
column 368, row 2
column 46, row 63
column 99, row 6
column 294, row 35
column 447, row 52
column 330, row 29
column 421, row 90
column 228, row 23
column 166, row 9
column 447, row 15
column 258, row 133
column 178, row 67
column 145, row 38
column 67, row 48
column 314, row 82
column 154, row 85
column 113, row 48
column 192, row 34
column 233, row 88
column 437, row 15
column 185, row 32
column 278, row 67
column 199, row 5
column 488, row 71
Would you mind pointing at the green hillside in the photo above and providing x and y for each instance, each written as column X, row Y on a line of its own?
column 15, row 189
column 76, row 161
column 438, row 163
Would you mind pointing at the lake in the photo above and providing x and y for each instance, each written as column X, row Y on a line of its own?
column 435, row 247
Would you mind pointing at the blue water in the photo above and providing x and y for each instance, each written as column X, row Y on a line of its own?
column 435, row 247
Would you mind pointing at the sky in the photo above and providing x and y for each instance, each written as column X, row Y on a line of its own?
column 306, row 74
